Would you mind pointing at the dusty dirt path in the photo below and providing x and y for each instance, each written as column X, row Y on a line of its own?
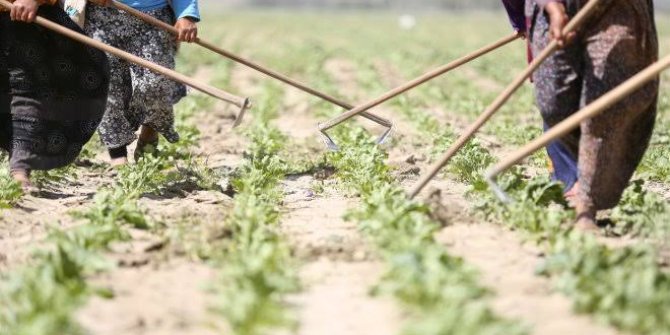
column 160, row 284
column 27, row 224
column 338, row 267
column 507, row 264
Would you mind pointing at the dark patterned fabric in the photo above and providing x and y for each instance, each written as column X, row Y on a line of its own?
column 137, row 96
column 619, row 41
column 53, row 92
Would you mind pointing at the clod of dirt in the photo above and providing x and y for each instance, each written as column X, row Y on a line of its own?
column 324, row 173
column 155, row 246
column 402, row 169
column 226, row 187
column 415, row 158
column 333, row 248
column 439, row 210
column 219, row 233
column 133, row 260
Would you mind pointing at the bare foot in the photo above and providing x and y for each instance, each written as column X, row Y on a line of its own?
column 571, row 195
column 147, row 142
column 148, row 134
column 23, row 178
column 586, row 222
column 118, row 162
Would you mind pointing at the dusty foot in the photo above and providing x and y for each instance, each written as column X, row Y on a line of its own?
column 23, row 178
column 571, row 195
column 147, row 142
column 118, row 162
column 586, row 222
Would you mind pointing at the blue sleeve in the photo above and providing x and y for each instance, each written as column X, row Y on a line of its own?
column 186, row 8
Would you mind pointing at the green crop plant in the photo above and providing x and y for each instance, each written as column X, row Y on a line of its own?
column 626, row 286
column 656, row 163
column 146, row 176
column 623, row 286
column 602, row 281
column 55, row 176
column 258, row 269
column 642, row 213
column 41, row 297
column 440, row 292
column 112, row 207
column 10, row 190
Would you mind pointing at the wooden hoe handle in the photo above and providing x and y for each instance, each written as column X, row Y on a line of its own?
column 273, row 74
column 576, row 22
column 592, row 110
column 416, row 82
column 176, row 76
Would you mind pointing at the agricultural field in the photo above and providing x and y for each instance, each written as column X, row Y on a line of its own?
column 261, row 230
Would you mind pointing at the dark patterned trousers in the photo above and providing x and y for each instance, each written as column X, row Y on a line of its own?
column 53, row 92
column 617, row 42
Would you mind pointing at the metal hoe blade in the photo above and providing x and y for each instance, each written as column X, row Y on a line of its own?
column 243, row 111
column 362, row 109
column 497, row 190
column 332, row 146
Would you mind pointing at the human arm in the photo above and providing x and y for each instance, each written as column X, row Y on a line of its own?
column 26, row 10
column 187, row 14
column 558, row 19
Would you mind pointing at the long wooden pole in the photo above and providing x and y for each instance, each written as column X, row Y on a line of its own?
column 273, row 74
column 575, row 23
column 592, row 110
column 417, row 82
column 213, row 91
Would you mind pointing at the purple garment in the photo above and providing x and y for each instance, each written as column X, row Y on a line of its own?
column 516, row 12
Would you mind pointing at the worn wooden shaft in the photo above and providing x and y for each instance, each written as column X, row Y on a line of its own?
column 273, row 74
column 176, row 76
column 575, row 23
column 592, row 110
column 417, row 82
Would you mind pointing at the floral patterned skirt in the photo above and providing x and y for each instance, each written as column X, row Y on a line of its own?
column 137, row 95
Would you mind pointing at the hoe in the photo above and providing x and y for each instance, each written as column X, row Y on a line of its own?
column 412, row 84
column 242, row 103
column 273, row 74
column 500, row 100
column 569, row 124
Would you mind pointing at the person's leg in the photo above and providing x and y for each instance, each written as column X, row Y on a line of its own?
column 19, row 170
column 558, row 86
column 620, row 44
column 22, row 176
column 5, row 110
column 116, row 130
column 154, row 95
column 564, row 166
column 59, row 91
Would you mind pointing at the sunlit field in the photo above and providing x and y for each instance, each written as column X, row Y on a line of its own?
column 262, row 230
